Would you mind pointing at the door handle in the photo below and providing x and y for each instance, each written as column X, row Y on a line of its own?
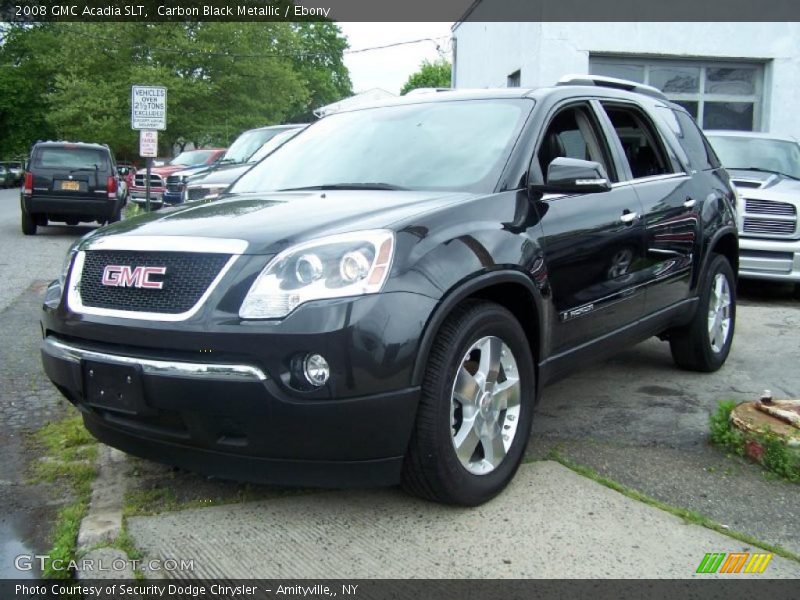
column 690, row 202
column 628, row 217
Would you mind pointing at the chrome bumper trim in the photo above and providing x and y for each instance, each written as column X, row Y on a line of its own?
column 163, row 368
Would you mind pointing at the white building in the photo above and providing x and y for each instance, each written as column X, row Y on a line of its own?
column 728, row 75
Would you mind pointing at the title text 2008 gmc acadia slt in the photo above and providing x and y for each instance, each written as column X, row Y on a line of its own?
column 383, row 299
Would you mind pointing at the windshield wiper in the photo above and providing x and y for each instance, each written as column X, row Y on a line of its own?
column 762, row 170
column 347, row 186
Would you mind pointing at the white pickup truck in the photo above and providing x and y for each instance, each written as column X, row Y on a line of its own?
column 765, row 169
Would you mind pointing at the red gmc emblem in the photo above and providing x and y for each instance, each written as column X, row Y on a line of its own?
column 138, row 277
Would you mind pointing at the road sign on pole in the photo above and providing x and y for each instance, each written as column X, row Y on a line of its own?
column 148, row 107
column 148, row 143
column 148, row 148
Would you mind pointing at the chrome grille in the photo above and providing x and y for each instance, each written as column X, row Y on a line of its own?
column 141, row 179
column 769, row 207
column 175, row 183
column 188, row 275
column 768, row 226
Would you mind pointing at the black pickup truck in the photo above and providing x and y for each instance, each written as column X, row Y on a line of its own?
column 383, row 299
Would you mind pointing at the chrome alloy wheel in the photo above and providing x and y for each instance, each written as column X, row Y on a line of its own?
column 719, row 313
column 485, row 405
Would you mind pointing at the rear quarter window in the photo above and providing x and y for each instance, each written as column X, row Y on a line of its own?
column 701, row 155
column 58, row 157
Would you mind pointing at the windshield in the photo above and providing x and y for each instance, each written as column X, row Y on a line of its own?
column 438, row 145
column 273, row 144
column 777, row 156
column 247, row 143
column 193, row 157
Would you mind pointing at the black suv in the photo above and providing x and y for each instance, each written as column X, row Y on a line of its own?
column 70, row 182
column 383, row 299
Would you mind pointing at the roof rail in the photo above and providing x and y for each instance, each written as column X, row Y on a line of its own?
column 428, row 90
column 612, row 82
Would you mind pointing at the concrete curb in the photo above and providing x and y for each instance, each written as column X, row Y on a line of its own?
column 103, row 522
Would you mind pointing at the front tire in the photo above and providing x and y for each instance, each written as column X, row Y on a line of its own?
column 704, row 344
column 476, row 407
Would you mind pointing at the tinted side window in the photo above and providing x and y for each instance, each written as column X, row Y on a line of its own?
column 640, row 141
column 701, row 156
column 573, row 134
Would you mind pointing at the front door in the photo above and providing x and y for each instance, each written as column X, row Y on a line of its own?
column 593, row 243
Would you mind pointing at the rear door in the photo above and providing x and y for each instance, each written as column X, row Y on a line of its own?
column 70, row 171
column 670, row 201
column 593, row 243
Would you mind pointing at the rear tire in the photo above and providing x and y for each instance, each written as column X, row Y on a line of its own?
column 115, row 216
column 28, row 223
column 704, row 344
column 485, row 412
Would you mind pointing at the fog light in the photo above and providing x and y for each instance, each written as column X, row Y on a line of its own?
column 316, row 370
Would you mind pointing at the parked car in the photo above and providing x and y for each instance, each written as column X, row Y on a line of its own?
column 13, row 173
column 383, row 299
column 6, row 177
column 158, row 175
column 240, row 152
column 765, row 169
column 70, row 182
column 208, row 186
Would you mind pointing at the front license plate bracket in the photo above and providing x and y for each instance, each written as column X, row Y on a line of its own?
column 113, row 387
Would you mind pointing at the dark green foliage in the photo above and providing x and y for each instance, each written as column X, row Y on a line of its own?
column 430, row 75
column 72, row 80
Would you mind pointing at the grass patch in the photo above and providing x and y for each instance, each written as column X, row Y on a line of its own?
column 68, row 454
column 689, row 516
column 775, row 455
column 722, row 434
column 132, row 209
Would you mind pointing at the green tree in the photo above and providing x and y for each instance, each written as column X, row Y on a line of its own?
column 430, row 75
column 73, row 80
column 25, row 80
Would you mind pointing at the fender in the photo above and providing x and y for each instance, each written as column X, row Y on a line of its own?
column 718, row 234
column 464, row 290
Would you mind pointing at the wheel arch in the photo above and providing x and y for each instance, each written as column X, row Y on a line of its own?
column 725, row 241
column 511, row 289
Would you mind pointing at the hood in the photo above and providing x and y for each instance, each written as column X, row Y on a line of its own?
column 163, row 171
column 772, row 183
column 211, row 170
column 186, row 171
column 273, row 221
column 225, row 175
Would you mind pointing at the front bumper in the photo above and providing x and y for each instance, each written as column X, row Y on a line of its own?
column 219, row 398
column 769, row 259
column 233, row 421
column 172, row 197
column 140, row 197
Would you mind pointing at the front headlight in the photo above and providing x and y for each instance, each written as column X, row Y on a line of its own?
column 351, row 264
column 64, row 273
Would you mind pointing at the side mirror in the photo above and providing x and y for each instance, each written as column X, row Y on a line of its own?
column 575, row 176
